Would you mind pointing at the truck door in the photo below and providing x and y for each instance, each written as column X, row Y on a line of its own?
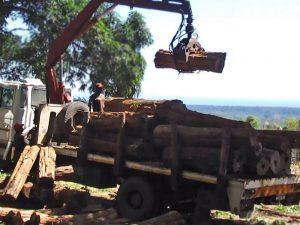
column 6, row 114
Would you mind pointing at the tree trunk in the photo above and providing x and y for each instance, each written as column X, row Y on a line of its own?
column 21, row 172
column 204, row 160
column 176, row 112
column 202, row 61
column 131, row 105
column 47, row 164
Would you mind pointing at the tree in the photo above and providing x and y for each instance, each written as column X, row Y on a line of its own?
column 110, row 52
column 292, row 123
column 254, row 121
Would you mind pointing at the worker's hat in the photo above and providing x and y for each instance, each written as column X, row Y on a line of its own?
column 99, row 85
column 18, row 126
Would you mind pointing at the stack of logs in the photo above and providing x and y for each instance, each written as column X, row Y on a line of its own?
column 44, row 179
column 145, row 128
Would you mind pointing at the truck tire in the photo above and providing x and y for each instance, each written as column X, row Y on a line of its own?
column 135, row 199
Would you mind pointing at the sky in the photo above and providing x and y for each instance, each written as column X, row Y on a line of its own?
column 261, row 39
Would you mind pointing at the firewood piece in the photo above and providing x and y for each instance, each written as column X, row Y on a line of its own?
column 47, row 165
column 13, row 218
column 20, row 173
column 35, row 219
column 201, row 61
column 65, row 173
column 3, row 181
column 170, row 218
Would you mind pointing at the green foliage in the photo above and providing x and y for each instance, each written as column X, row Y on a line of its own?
column 292, row 123
column 254, row 121
column 110, row 52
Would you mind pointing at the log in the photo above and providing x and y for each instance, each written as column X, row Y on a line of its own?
column 274, row 158
column 106, row 121
column 292, row 136
column 201, row 61
column 262, row 166
column 201, row 159
column 192, row 135
column 176, row 112
column 275, row 142
column 170, row 218
column 45, row 219
column 21, row 172
column 136, row 149
column 238, row 162
column 131, row 105
column 47, row 164
column 65, row 173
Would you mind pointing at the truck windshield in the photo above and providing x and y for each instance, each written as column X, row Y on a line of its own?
column 38, row 97
column 7, row 96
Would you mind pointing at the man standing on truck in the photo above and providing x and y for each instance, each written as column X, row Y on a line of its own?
column 96, row 101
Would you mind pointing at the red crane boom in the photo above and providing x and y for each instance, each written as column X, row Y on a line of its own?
column 84, row 21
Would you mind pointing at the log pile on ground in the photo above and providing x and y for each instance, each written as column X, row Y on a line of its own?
column 42, row 190
column 147, row 135
column 62, row 216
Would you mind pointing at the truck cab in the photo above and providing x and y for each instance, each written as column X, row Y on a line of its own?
column 18, row 103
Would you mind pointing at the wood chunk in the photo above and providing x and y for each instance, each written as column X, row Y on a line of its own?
column 132, row 105
column 21, row 172
column 47, row 165
column 65, row 173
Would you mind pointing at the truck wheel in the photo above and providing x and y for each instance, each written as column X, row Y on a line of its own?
column 135, row 199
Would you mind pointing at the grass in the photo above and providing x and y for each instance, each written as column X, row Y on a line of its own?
column 105, row 192
column 3, row 175
column 294, row 209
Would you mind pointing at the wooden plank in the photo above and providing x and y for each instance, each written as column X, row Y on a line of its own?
column 21, row 172
column 47, row 164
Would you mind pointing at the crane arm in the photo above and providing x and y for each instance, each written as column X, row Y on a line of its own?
column 84, row 21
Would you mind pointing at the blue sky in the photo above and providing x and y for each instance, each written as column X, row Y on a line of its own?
column 262, row 41
column 261, row 38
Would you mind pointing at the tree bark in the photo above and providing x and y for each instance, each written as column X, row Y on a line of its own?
column 131, row 105
column 21, row 172
column 202, row 61
column 205, row 160
column 65, row 173
column 47, row 164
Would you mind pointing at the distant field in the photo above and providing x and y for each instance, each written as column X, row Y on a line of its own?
column 275, row 114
